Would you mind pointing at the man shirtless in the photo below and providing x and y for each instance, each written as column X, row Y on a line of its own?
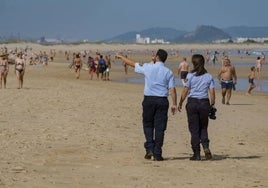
column 227, row 78
column 183, row 70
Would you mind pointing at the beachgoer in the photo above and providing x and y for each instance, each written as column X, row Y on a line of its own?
column 102, row 66
column 91, row 66
column 20, row 66
column 183, row 70
column 4, row 68
column 77, row 65
column 259, row 62
column 227, row 79
column 125, row 66
column 201, row 98
column 159, row 84
column 251, row 77
column 108, row 67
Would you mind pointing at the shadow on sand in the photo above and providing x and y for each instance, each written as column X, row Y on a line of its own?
column 215, row 157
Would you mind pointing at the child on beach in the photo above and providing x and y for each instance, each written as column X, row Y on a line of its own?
column 251, row 77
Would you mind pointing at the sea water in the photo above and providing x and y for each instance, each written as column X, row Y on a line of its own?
column 242, row 83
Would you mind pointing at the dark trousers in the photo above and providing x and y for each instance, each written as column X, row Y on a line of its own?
column 155, row 110
column 197, row 114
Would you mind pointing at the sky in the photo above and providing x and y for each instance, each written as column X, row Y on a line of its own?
column 102, row 19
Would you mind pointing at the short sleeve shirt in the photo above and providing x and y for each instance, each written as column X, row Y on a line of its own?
column 199, row 85
column 158, row 78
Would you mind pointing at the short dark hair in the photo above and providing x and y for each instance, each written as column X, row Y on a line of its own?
column 162, row 54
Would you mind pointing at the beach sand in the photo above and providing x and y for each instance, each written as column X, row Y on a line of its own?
column 59, row 131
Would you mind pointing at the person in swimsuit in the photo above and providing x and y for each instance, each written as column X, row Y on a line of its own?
column 20, row 66
column 108, row 67
column 4, row 68
column 227, row 79
column 77, row 65
column 251, row 77
column 259, row 62
column 91, row 66
column 183, row 70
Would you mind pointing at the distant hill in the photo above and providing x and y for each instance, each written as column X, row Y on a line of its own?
column 245, row 31
column 168, row 34
column 203, row 34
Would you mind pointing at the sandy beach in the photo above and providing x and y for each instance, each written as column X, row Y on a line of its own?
column 60, row 132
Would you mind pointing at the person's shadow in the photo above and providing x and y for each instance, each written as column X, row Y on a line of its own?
column 216, row 157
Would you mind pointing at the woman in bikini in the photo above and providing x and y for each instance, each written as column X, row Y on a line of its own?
column 20, row 66
column 3, row 69
column 77, row 65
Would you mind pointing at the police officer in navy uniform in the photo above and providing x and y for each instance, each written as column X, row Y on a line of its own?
column 159, row 84
column 200, row 90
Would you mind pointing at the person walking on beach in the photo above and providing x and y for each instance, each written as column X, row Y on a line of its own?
column 259, row 62
column 20, row 66
column 125, row 66
column 183, row 70
column 102, row 67
column 91, row 66
column 159, row 84
column 251, row 77
column 77, row 65
column 227, row 79
column 201, row 98
column 108, row 67
column 4, row 68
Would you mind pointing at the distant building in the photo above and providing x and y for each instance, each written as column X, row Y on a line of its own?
column 147, row 40
column 141, row 40
column 49, row 41
column 159, row 41
column 245, row 39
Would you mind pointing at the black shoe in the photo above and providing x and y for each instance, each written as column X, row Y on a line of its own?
column 196, row 156
column 148, row 155
column 208, row 154
column 158, row 158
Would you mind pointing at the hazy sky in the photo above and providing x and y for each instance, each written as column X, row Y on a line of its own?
column 102, row 19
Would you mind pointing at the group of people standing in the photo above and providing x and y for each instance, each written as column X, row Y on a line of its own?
column 19, row 68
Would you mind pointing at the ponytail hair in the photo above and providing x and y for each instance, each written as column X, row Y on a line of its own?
column 198, row 63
